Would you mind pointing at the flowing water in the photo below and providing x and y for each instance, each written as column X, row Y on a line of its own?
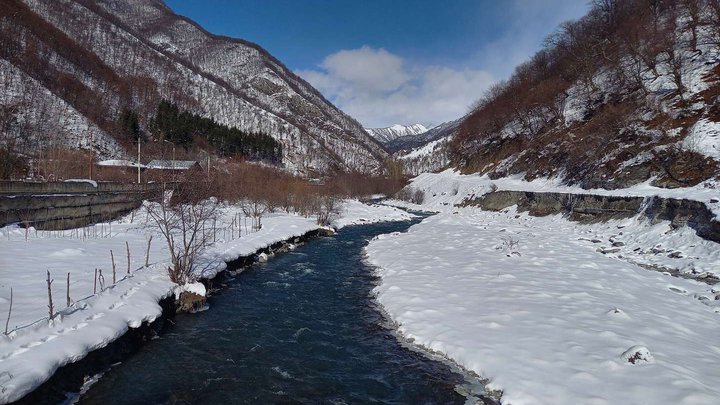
column 302, row 328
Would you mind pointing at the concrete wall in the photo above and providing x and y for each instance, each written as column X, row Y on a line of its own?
column 61, row 205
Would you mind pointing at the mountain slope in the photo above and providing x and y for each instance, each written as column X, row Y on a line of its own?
column 629, row 93
column 388, row 134
column 134, row 53
column 426, row 152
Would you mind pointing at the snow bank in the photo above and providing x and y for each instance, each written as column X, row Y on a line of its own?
column 529, row 303
column 704, row 137
column 353, row 212
column 276, row 227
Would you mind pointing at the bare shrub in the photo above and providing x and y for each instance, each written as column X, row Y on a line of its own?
column 418, row 197
column 62, row 163
column 12, row 164
column 327, row 209
column 240, row 182
column 184, row 218
column 509, row 246
column 255, row 209
column 411, row 194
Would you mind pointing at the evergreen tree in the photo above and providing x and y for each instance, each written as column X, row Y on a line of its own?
column 128, row 124
column 180, row 127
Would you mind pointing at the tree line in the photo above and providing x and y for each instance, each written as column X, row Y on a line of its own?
column 183, row 128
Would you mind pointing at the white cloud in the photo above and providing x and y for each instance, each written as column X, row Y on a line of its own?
column 378, row 88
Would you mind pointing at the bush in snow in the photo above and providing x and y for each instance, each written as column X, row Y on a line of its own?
column 509, row 246
column 411, row 194
column 327, row 210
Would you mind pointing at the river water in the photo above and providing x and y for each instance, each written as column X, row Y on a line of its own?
column 300, row 329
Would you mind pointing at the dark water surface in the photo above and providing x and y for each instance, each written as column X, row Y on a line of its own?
column 299, row 329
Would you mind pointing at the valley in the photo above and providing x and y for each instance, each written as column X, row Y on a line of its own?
column 189, row 217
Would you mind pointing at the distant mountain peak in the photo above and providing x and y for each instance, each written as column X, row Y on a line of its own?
column 387, row 134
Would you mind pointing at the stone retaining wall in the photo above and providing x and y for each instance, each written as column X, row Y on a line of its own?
column 66, row 205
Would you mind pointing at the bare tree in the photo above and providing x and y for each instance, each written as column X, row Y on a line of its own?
column 184, row 217
column 255, row 209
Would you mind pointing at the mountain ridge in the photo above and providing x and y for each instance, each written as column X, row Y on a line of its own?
column 389, row 134
column 158, row 54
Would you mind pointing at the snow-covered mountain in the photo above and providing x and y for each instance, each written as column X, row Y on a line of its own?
column 388, row 134
column 426, row 152
column 75, row 64
column 409, row 142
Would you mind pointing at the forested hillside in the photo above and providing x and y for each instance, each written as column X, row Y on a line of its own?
column 71, row 70
column 630, row 92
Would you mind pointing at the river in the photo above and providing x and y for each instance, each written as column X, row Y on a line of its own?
column 300, row 329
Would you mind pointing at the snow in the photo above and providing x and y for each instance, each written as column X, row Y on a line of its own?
column 395, row 131
column 550, row 310
column 353, row 212
column 549, row 319
column 35, row 348
column 91, row 182
column 444, row 189
column 424, row 150
column 196, row 288
column 118, row 162
column 704, row 137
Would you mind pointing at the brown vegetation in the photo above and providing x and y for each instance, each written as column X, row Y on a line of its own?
column 240, row 181
column 607, row 59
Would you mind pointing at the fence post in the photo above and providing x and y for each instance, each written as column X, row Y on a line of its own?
column 127, row 246
column 147, row 254
column 112, row 258
column 7, row 322
column 50, row 303
column 69, row 301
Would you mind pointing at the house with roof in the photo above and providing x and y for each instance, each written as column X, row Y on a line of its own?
column 177, row 167
column 117, row 170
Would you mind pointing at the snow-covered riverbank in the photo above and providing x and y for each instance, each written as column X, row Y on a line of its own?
column 35, row 348
column 535, row 306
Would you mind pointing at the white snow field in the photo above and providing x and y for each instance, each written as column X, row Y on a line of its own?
column 34, row 347
column 533, row 305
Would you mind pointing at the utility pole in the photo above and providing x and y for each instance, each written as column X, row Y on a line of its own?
column 92, row 154
column 138, row 160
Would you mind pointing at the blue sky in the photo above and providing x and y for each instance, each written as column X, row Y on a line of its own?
column 392, row 61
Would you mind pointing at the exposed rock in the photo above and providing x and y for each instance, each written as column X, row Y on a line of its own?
column 637, row 355
column 190, row 302
column 589, row 208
